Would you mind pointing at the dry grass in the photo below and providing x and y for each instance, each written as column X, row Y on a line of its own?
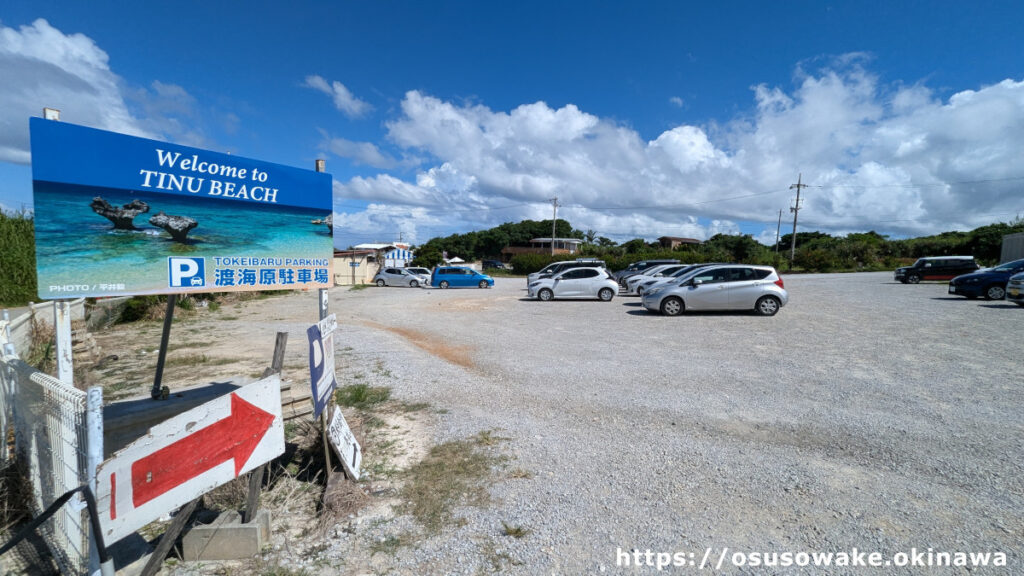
column 30, row 556
column 516, row 532
column 453, row 474
column 42, row 353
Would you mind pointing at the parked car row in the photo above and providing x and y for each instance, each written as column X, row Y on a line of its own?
column 967, row 279
column 720, row 287
column 685, row 287
column 440, row 277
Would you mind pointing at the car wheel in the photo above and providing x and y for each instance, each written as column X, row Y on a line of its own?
column 380, row 283
column 414, row 284
column 606, row 294
column 995, row 292
column 443, row 284
column 672, row 306
column 482, row 284
column 545, row 294
column 639, row 290
column 913, row 279
column 767, row 306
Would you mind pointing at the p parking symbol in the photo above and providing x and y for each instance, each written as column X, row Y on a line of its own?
column 186, row 272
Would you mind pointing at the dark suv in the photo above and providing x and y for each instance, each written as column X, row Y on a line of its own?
column 936, row 268
column 990, row 283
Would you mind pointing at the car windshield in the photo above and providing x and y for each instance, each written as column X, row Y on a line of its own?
column 1009, row 266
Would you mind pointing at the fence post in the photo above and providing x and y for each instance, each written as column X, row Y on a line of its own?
column 93, row 458
column 62, row 329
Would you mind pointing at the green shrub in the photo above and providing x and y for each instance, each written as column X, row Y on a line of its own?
column 17, row 259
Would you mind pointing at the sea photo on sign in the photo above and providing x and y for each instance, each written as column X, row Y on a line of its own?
column 121, row 215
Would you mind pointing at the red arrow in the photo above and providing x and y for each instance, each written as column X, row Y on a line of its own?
column 233, row 437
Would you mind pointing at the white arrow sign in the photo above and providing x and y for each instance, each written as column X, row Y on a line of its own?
column 188, row 455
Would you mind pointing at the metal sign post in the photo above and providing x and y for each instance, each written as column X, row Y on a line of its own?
column 158, row 392
column 324, row 302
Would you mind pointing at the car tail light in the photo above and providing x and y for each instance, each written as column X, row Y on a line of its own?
column 779, row 283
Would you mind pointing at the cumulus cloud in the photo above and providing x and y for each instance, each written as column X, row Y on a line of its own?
column 897, row 159
column 343, row 99
column 676, row 101
column 360, row 153
column 42, row 66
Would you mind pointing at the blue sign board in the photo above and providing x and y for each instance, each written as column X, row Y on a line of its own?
column 321, row 362
column 121, row 215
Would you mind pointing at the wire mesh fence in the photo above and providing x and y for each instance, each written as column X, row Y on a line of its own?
column 44, row 421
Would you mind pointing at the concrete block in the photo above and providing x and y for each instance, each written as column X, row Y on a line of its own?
column 227, row 538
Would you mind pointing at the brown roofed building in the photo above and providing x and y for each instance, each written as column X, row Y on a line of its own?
column 673, row 242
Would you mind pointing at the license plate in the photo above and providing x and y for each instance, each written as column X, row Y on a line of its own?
column 952, row 289
column 1014, row 292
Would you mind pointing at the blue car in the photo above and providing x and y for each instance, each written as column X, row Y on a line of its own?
column 990, row 283
column 459, row 277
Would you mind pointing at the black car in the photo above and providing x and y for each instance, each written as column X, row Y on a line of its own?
column 496, row 264
column 936, row 268
column 990, row 283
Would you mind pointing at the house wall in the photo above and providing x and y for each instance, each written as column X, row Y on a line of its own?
column 1013, row 247
column 347, row 275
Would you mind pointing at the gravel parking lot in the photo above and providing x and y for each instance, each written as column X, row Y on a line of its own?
column 866, row 414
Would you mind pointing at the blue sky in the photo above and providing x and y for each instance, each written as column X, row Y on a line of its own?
column 644, row 119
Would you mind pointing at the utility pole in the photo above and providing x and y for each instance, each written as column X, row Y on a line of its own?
column 795, row 209
column 554, row 218
column 778, row 229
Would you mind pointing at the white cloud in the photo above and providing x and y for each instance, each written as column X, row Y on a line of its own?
column 676, row 101
column 42, row 66
column 891, row 158
column 361, row 153
column 343, row 99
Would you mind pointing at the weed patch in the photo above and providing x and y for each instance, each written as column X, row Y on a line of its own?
column 362, row 396
column 514, row 531
column 453, row 474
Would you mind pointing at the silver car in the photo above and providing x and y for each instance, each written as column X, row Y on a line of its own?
column 399, row 277
column 728, row 287
column 1015, row 289
column 575, row 283
column 634, row 282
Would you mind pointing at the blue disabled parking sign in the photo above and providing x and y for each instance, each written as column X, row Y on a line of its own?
column 186, row 272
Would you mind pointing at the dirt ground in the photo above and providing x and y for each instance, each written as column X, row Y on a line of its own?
column 234, row 342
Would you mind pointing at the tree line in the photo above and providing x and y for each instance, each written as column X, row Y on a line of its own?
column 815, row 251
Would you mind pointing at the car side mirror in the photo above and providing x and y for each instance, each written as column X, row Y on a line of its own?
column 696, row 282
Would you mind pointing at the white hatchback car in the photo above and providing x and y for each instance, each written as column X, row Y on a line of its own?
column 399, row 277
column 575, row 283
column 728, row 287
